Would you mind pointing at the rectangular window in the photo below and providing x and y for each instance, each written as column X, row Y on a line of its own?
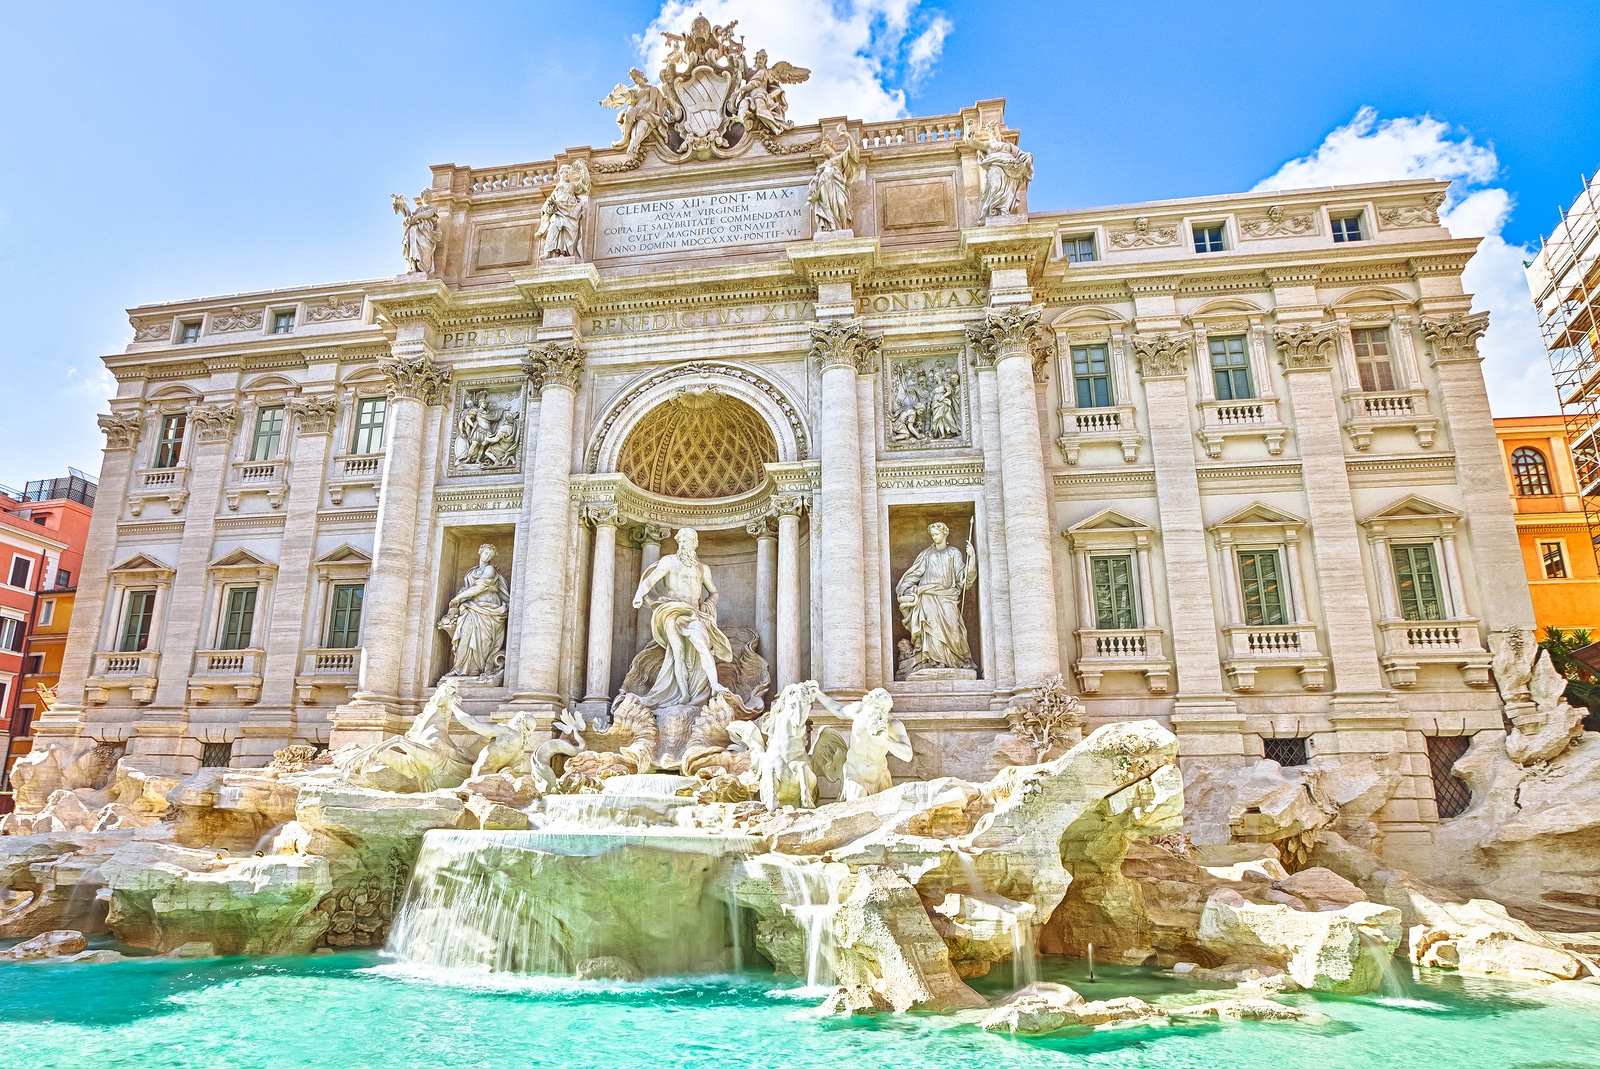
column 1554, row 558
column 1078, row 250
column 12, row 634
column 1092, row 376
column 344, row 616
column 24, row 717
column 1347, row 228
column 47, row 613
column 1261, row 588
column 1230, row 366
column 369, row 424
column 21, row 569
column 1416, row 580
column 239, row 618
column 1112, row 578
column 34, row 665
column 269, row 434
column 283, row 322
column 1208, row 237
column 63, row 579
column 169, row 445
column 1287, row 752
column 216, row 754
column 189, row 332
column 1372, row 360
column 136, row 624
column 1450, row 792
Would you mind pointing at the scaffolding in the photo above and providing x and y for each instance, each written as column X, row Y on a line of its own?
column 1565, row 280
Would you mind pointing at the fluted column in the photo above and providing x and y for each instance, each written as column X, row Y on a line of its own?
column 766, row 536
column 1014, row 343
column 787, row 626
column 649, row 537
column 844, row 350
column 554, row 370
column 602, row 595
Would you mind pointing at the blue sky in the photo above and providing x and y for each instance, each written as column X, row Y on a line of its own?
column 161, row 151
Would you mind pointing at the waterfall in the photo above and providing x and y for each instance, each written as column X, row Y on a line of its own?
column 811, row 897
column 1376, row 952
column 1024, row 952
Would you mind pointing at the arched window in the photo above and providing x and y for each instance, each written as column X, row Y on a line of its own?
column 1529, row 472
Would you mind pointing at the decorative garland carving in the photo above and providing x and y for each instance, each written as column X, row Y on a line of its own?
column 122, row 432
column 334, row 310
column 554, row 364
column 1424, row 214
column 1163, row 356
column 1143, row 235
column 1276, row 224
column 314, row 415
column 161, row 331
column 846, row 343
column 213, row 423
column 1011, row 332
column 235, row 319
column 415, row 376
column 1306, row 346
column 1455, row 337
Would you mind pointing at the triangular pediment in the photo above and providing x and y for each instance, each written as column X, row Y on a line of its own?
column 141, row 562
column 242, row 558
column 1108, row 520
column 345, row 553
column 1413, row 507
column 1259, row 514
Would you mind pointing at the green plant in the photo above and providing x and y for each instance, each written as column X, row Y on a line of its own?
column 1583, row 684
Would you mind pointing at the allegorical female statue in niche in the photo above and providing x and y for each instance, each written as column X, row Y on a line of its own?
column 561, row 219
column 476, row 622
column 931, row 594
column 829, row 195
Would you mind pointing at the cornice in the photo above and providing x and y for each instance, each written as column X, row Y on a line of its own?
column 566, row 285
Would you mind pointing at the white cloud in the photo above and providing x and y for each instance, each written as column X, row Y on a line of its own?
column 1369, row 149
column 863, row 54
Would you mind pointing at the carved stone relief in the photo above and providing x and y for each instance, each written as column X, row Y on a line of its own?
column 1424, row 214
column 486, row 433
column 336, row 308
column 1143, row 235
column 1276, row 224
column 925, row 403
column 234, row 319
column 161, row 331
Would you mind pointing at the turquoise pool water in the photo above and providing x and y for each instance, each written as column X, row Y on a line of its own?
column 352, row 1011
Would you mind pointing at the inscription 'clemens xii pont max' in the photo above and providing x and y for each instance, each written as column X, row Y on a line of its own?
column 674, row 224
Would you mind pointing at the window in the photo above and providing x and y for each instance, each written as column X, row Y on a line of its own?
column 24, row 721
column 239, row 618
column 169, row 446
column 63, row 579
column 1112, row 578
column 1553, row 556
column 1092, row 376
column 216, row 754
column 1347, row 228
column 1416, row 579
column 344, row 616
column 269, row 434
column 1450, row 793
column 1078, row 250
column 1261, row 588
column 189, row 332
column 1372, row 360
column 13, row 633
column 41, row 518
column 1287, row 752
column 1208, row 237
column 283, row 322
column 47, row 613
column 369, row 424
column 21, row 569
column 1528, row 471
column 34, row 664
column 1230, row 366
column 136, row 624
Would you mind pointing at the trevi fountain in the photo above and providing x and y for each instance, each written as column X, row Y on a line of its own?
column 846, row 800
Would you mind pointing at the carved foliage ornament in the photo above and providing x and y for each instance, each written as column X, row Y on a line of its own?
column 788, row 505
column 846, row 344
column 602, row 515
column 1011, row 332
column 122, row 432
column 554, row 364
column 1276, row 224
column 1305, row 346
column 1424, row 214
column 1143, row 235
column 336, row 308
column 1455, row 337
column 161, row 331
column 234, row 319
column 415, row 376
column 213, row 423
column 314, row 415
column 1163, row 355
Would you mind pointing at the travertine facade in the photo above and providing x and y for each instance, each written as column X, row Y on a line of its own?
column 1252, row 492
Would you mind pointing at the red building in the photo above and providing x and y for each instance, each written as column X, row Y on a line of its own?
column 42, row 534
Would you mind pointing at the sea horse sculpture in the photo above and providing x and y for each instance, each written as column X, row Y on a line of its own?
column 777, row 747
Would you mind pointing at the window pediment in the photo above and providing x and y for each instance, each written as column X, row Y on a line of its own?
column 1108, row 529
column 242, row 563
column 1258, row 516
column 142, row 566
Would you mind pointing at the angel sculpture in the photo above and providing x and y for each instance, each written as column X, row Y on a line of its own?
column 422, row 232
column 1007, row 170
column 561, row 220
column 507, row 748
column 863, row 759
column 829, row 195
column 783, row 774
column 760, row 104
column 643, row 111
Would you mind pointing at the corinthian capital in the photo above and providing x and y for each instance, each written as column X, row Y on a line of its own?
column 122, row 432
column 554, row 364
column 1162, row 356
column 314, row 415
column 1011, row 332
column 416, row 376
column 1455, row 337
column 1306, row 347
column 846, row 343
column 788, row 505
column 602, row 515
column 213, row 423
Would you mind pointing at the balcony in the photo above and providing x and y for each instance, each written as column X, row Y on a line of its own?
column 216, row 671
column 134, row 672
column 1253, row 418
column 159, row 484
column 1251, row 649
column 270, row 477
column 1131, row 650
column 1409, row 644
column 360, row 470
column 333, row 670
column 1406, row 409
column 1115, row 424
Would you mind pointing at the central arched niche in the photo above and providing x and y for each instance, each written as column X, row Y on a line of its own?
column 700, row 443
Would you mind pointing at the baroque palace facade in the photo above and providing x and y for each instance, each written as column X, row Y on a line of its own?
column 1226, row 461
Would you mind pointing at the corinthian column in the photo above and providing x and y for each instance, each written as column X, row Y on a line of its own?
column 844, row 350
column 649, row 537
column 787, row 627
column 766, row 584
column 602, row 594
column 1012, row 340
column 554, row 371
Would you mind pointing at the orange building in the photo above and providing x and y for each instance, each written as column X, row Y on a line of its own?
column 1556, row 548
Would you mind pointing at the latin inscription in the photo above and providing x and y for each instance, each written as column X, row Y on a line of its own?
column 491, row 336
column 922, row 300
column 707, row 220
column 701, row 318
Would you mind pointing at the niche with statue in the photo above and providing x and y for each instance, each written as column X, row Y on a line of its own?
column 935, row 592
column 474, row 604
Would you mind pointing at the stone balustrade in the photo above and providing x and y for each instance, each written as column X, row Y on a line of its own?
column 1135, row 649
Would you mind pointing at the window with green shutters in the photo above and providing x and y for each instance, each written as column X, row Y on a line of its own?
column 344, row 617
column 239, row 618
column 1112, row 578
column 136, row 624
column 1092, row 376
column 1416, row 580
column 169, row 445
column 369, row 425
column 269, row 434
column 1230, row 366
column 1261, row 588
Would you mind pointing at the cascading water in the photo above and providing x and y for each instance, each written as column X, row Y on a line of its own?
column 1024, row 951
column 811, row 892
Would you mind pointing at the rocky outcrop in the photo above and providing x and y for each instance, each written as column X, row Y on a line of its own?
column 1480, row 938
column 54, row 944
column 1342, row 951
column 53, row 880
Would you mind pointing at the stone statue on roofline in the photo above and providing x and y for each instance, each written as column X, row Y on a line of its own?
column 1007, row 170
column 829, row 194
column 561, row 219
column 421, row 232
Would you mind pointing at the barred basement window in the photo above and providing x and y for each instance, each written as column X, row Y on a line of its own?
column 1287, row 752
column 215, row 754
column 1450, row 793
